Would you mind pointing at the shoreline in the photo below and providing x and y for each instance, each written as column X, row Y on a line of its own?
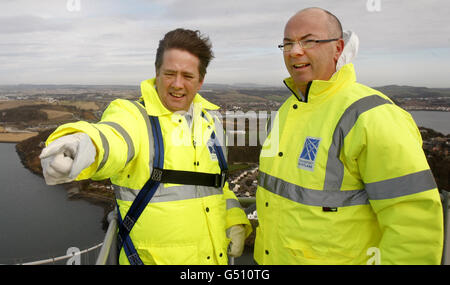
column 29, row 145
column 7, row 137
column 94, row 197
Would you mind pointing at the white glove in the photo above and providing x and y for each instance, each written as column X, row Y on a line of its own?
column 64, row 159
column 351, row 45
column 237, row 235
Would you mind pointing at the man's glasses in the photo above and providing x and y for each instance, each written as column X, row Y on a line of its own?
column 304, row 44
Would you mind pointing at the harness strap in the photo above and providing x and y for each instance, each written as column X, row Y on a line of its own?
column 160, row 175
column 142, row 199
column 189, row 177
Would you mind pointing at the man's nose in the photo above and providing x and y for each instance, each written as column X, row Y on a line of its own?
column 178, row 81
column 297, row 50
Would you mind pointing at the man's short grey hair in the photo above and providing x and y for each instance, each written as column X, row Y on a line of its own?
column 334, row 25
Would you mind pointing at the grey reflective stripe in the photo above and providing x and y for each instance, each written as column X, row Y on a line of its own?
column 151, row 147
column 401, row 186
column 312, row 197
column 233, row 203
column 105, row 145
column 125, row 136
column 335, row 169
column 124, row 193
column 168, row 194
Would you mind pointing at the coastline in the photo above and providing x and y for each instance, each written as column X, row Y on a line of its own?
column 7, row 137
column 99, row 193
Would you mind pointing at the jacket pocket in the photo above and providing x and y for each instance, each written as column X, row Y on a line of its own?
column 172, row 254
column 310, row 255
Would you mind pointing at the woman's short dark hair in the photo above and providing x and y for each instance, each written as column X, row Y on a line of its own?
column 191, row 41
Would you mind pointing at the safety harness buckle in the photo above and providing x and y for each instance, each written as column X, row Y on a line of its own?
column 157, row 174
column 220, row 179
column 135, row 259
column 128, row 223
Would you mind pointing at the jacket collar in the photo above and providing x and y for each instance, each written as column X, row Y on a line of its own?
column 155, row 107
column 317, row 88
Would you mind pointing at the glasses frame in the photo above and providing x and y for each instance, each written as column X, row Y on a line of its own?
column 300, row 43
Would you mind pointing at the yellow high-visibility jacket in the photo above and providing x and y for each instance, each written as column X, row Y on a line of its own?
column 343, row 180
column 182, row 224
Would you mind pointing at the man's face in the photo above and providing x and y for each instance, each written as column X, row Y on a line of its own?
column 178, row 79
column 316, row 63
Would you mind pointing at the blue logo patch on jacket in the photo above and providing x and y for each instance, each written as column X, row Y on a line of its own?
column 308, row 155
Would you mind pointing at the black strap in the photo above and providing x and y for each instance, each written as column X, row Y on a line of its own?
column 189, row 177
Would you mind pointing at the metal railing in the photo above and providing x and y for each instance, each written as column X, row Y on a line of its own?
column 108, row 253
column 53, row 260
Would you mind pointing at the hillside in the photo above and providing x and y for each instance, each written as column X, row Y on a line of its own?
column 270, row 98
column 228, row 97
column 43, row 107
column 398, row 91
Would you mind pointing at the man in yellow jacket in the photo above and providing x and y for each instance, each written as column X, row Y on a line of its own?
column 349, row 182
column 166, row 157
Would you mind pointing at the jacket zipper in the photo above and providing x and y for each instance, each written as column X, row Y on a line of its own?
column 295, row 94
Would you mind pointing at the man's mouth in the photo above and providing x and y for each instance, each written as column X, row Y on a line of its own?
column 300, row 65
column 176, row 95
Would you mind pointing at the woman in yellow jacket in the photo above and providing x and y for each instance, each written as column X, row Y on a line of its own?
column 182, row 223
column 343, row 178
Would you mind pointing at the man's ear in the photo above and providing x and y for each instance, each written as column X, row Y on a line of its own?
column 200, row 84
column 339, row 49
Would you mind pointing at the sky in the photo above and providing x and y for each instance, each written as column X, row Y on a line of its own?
column 402, row 42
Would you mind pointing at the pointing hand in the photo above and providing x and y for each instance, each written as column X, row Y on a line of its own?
column 64, row 159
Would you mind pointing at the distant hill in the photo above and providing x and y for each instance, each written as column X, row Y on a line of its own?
column 413, row 92
column 237, row 93
column 260, row 93
column 218, row 93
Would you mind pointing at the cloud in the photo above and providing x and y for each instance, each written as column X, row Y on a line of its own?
column 30, row 24
column 115, row 41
